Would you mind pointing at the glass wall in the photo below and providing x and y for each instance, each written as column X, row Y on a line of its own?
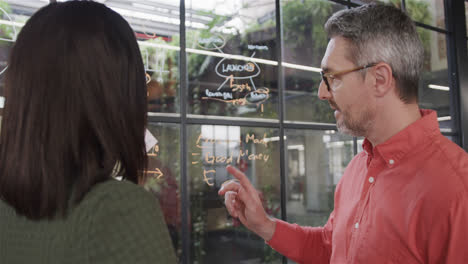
column 316, row 160
column 434, row 84
column 231, row 62
column 156, row 27
column 163, row 176
column 255, row 151
column 217, row 97
column 305, row 42
column 427, row 12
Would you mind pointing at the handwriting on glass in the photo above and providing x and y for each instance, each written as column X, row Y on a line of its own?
column 207, row 157
column 154, row 172
column 244, row 91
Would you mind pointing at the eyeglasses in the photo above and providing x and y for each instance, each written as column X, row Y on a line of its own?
column 333, row 75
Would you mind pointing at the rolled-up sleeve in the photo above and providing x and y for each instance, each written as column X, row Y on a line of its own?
column 303, row 244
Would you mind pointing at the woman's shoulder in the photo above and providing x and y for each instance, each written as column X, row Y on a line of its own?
column 112, row 197
column 115, row 192
column 114, row 187
column 126, row 225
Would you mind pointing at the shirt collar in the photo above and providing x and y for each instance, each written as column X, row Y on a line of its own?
column 396, row 147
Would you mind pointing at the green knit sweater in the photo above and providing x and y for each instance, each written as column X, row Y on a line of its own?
column 117, row 222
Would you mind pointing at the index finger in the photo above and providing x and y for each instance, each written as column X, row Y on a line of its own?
column 243, row 180
column 230, row 185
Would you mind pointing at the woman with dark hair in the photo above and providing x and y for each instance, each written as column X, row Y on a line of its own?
column 74, row 117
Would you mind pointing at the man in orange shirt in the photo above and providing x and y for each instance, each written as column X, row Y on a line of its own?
column 404, row 199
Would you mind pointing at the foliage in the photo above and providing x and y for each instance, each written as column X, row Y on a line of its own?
column 6, row 31
column 303, row 28
column 305, row 42
column 420, row 11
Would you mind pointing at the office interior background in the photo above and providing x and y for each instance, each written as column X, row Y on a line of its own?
column 235, row 82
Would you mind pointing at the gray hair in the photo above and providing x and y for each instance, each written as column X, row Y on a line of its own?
column 382, row 33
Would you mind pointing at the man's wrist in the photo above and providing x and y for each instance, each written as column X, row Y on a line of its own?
column 267, row 230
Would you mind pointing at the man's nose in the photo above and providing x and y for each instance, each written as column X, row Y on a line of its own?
column 323, row 92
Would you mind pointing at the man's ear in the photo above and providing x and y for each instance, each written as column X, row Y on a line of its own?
column 384, row 81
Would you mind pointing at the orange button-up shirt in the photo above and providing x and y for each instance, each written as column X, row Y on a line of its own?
column 402, row 201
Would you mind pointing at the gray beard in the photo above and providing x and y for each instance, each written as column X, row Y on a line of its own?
column 359, row 127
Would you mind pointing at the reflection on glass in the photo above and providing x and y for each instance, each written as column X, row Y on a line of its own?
column 161, row 65
column 231, row 49
column 316, row 160
column 215, row 236
column 302, row 102
column 163, row 177
column 13, row 16
column 305, row 42
column 156, row 26
column 429, row 12
column 434, row 91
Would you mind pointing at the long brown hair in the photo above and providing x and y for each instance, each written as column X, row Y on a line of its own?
column 75, row 107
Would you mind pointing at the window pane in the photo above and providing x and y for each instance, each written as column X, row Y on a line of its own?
column 305, row 42
column 163, row 177
column 231, row 53
column 215, row 235
column 13, row 16
column 434, row 84
column 302, row 102
column 429, row 12
column 316, row 160
column 156, row 26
